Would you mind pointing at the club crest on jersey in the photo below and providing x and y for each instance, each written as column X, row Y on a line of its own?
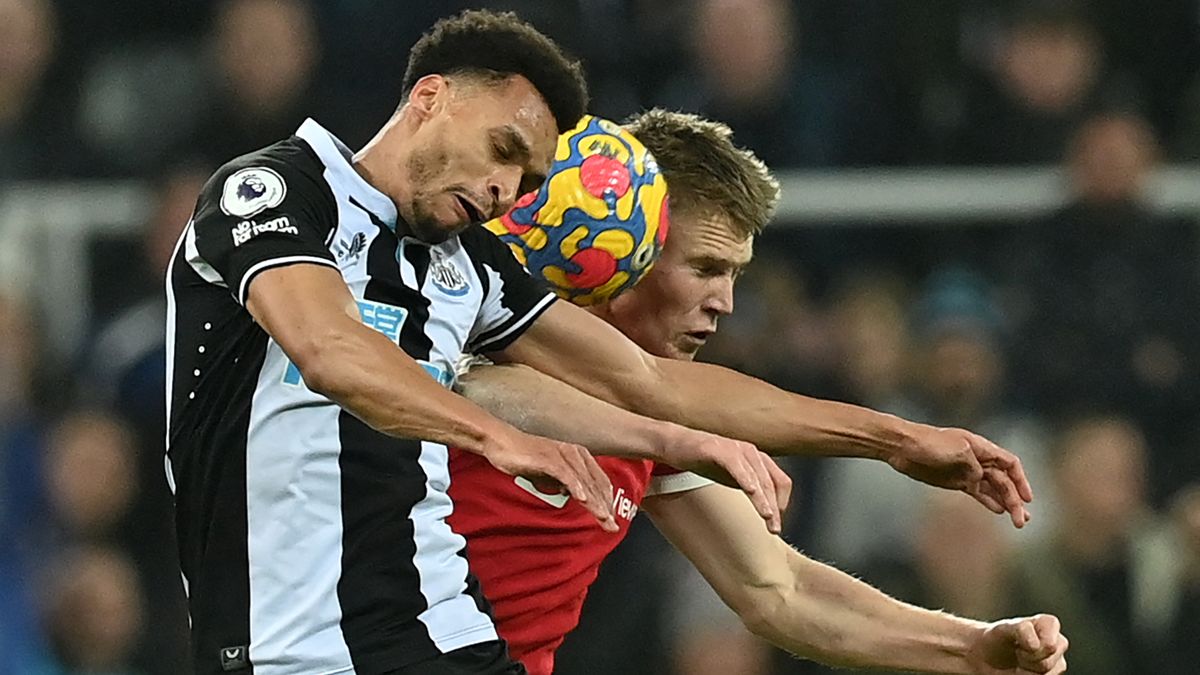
column 248, row 192
column 446, row 276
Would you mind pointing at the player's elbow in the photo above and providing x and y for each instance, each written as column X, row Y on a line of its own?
column 763, row 612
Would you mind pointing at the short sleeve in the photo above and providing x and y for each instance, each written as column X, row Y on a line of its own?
column 263, row 210
column 666, row 479
column 512, row 299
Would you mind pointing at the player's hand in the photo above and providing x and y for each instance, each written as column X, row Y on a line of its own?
column 732, row 463
column 555, row 467
column 957, row 459
column 1020, row 647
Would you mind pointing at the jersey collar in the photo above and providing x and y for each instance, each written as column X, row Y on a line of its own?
column 337, row 159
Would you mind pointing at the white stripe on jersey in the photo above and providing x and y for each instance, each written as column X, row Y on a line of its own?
column 453, row 619
column 198, row 263
column 170, row 349
column 294, row 526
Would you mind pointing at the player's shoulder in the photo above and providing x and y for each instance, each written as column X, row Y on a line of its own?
column 286, row 171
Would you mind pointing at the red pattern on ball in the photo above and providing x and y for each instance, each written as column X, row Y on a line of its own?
column 596, row 266
column 601, row 174
column 507, row 219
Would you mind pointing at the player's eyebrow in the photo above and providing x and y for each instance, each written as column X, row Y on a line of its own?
column 513, row 142
column 721, row 264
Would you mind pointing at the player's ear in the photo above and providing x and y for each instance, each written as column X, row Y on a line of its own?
column 426, row 94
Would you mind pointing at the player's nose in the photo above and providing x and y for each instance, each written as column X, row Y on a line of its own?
column 502, row 188
column 720, row 297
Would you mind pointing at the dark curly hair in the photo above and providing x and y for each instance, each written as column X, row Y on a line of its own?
column 500, row 44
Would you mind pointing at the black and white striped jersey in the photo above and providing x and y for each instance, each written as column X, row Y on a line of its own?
column 309, row 542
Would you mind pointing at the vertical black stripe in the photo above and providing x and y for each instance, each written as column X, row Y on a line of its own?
column 208, row 458
column 382, row 481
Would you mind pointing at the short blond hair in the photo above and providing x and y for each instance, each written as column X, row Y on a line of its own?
column 706, row 173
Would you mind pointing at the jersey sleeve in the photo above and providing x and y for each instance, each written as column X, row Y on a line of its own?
column 512, row 299
column 666, row 479
column 264, row 210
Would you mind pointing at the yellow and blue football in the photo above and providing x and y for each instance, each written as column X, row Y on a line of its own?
column 598, row 223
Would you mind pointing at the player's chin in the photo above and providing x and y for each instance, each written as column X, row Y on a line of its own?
column 684, row 347
column 437, row 230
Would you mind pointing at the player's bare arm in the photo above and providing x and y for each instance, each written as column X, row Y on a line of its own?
column 571, row 345
column 818, row 612
column 310, row 312
column 539, row 404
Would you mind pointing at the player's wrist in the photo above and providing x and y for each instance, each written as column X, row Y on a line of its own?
column 665, row 440
column 897, row 439
column 493, row 438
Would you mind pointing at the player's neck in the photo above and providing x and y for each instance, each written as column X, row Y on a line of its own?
column 383, row 162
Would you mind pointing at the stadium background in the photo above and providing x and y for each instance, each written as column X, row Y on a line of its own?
column 988, row 220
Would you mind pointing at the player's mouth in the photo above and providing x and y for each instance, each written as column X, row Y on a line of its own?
column 699, row 337
column 473, row 213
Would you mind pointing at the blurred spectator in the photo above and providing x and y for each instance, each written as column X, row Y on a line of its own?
column 866, row 509
column 1045, row 77
column 35, row 132
column 125, row 369
column 749, row 74
column 1105, row 572
column 94, row 613
column 93, row 484
column 1104, row 296
column 90, row 475
column 266, row 53
column 873, row 340
column 961, row 560
column 960, row 375
column 22, row 506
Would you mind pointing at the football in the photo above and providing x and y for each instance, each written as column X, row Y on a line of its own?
column 598, row 223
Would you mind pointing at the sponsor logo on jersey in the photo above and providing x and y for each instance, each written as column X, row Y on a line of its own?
column 385, row 318
column 558, row 500
column 249, row 191
column 249, row 229
column 623, row 507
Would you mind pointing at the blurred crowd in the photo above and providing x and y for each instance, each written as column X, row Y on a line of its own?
column 1072, row 339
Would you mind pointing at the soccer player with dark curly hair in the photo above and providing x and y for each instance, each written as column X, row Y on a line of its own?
column 318, row 300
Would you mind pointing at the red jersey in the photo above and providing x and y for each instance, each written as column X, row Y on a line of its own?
column 535, row 554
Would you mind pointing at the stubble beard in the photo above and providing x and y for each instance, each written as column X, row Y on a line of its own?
column 424, row 168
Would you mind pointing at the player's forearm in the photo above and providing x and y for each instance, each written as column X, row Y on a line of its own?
column 725, row 402
column 829, row 616
column 365, row 373
column 538, row 404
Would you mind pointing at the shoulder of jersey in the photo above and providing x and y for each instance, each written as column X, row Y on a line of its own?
column 263, row 179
